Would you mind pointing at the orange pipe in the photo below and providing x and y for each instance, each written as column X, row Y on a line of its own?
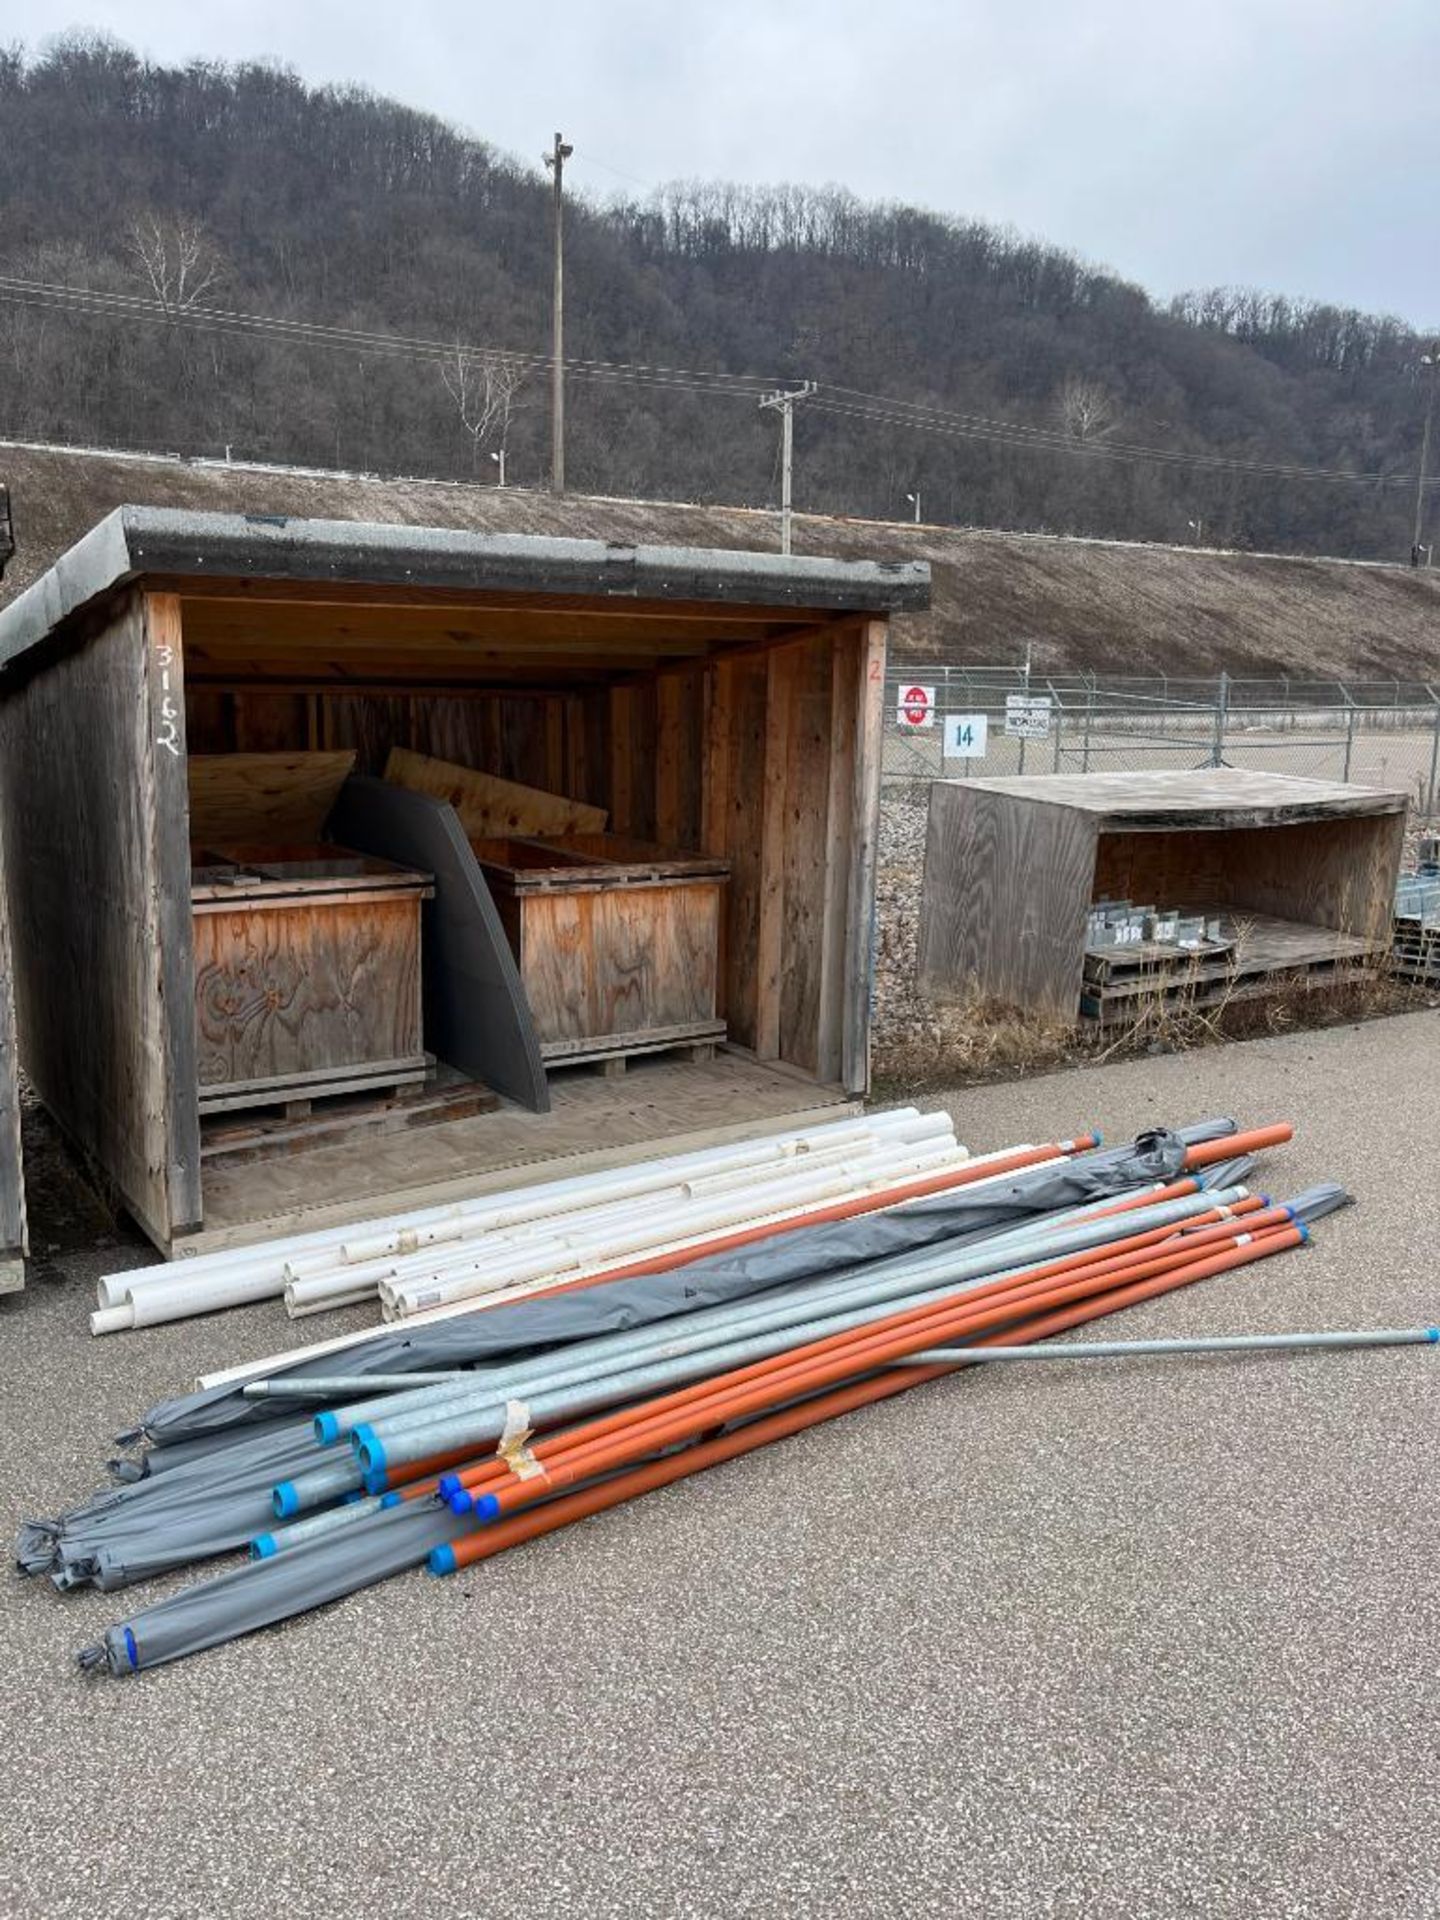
column 529, row 1525
column 662, row 1423
column 1255, row 1141
column 1115, row 1259
column 995, row 1300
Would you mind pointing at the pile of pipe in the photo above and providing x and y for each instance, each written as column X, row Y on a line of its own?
column 442, row 1444
column 541, row 1235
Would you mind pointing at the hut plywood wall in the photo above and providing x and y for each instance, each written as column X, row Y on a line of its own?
column 763, row 758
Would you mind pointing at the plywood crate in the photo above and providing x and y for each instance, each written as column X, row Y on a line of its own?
column 617, row 941
column 1303, row 871
column 307, row 976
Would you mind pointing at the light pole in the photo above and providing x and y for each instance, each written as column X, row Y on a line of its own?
column 499, row 459
column 914, row 499
column 1197, row 527
column 1430, row 360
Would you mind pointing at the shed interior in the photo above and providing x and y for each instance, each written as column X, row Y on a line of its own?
column 747, row 734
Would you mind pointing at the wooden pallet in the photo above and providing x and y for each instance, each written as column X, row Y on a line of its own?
column 341, row 1118
column 1267, row 954
column 1415, row 954
column 696, row 1040
column 1108, row 966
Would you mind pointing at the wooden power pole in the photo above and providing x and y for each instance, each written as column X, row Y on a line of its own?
column 555, row 160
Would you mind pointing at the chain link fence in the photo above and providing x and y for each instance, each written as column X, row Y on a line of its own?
column 954, row 721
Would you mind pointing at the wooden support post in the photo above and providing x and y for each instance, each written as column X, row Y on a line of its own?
column 770, row 956
column 864, row 832
column 622, row 759
column 839, row 825
column 670, row 692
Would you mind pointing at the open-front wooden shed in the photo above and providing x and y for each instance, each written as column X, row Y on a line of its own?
column 722, row 705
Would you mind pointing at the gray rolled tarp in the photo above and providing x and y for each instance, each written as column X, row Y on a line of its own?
column 531, row 1325
column 263, row 1592
column 212, row 1504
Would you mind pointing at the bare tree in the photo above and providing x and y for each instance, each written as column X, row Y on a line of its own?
column 176, row 257
column 1087, row 410
column 483, row 386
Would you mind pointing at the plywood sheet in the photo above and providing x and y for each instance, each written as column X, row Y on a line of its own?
column 257, row 797
column 488, row 806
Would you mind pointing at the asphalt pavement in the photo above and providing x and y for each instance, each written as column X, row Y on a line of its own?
column 1119, row 1639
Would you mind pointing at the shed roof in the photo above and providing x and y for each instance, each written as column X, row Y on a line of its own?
column 134, row 543
column 1188, row 797
column 1106, row 606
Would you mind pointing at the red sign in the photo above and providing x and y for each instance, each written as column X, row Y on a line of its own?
column 916, row 707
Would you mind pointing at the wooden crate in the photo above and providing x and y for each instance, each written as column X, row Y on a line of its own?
column 617, row 941
column 1303, row 870
column 307, row 975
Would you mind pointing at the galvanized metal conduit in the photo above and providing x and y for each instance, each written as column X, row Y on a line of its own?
column 557, row 1393
column 879, row 1280
column 1217, row 1343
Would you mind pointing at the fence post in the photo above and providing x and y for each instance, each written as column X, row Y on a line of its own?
column 1222, row 708
column 1089, row 723
column 1059, row 707
column 1349, row 734
column 1434, row 756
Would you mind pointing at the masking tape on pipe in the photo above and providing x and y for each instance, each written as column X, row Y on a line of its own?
column 512, row 1448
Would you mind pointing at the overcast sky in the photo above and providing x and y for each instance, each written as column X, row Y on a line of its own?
column 1289, row 144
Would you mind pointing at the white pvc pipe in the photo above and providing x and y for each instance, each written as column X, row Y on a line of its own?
column 612, row 1242
column 339, row 1343
column 639, row 1218
column 115, row 1288
column 191, row 1293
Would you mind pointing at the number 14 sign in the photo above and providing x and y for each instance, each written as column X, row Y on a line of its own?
column 966, row 735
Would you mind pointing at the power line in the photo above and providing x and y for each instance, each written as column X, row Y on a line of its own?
column 838, row 401
column 1047, row 440
column 115, row 305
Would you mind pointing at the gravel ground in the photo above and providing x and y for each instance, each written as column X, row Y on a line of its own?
column 1152, row 1639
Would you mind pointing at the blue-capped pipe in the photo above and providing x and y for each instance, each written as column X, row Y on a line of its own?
column 576, row 1383
column 333, row 1478
column 595, row 1373
column 442, row 1559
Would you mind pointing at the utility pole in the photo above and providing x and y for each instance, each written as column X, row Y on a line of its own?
column 556, row 162
column 1430, row 360
column 784, row 404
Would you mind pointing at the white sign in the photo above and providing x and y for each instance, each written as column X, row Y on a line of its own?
column 915, row 707
column 966, row 735
column 1027, row 717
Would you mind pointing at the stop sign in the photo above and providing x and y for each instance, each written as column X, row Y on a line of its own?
column 916, row 707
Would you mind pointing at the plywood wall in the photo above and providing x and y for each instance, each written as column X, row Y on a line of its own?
column 92, row 768
column 766, row 758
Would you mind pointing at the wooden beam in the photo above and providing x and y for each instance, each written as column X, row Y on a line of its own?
column 770, row 954
column 622, row 758
column 670, row 694
column 864, row 832
column 168, row 823
column 839, row 826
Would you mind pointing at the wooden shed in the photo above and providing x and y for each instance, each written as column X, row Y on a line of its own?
column 722, row 704
column 14, row 1236
column 1299, row 875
